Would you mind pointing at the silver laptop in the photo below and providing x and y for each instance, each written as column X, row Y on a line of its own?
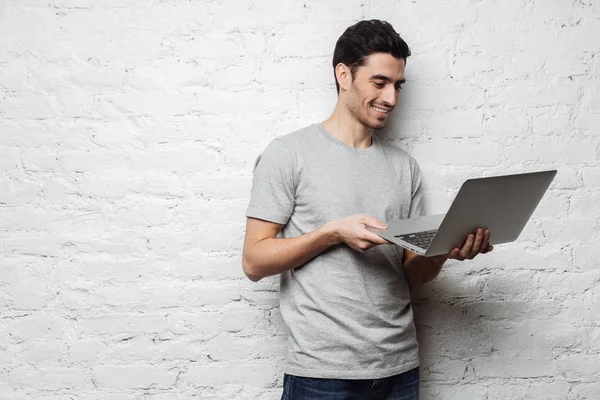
column 501, row 203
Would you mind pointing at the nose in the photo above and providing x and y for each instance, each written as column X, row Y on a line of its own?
column 390, row 95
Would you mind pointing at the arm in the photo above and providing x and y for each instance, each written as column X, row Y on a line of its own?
column 420, row 270
column 264, row 254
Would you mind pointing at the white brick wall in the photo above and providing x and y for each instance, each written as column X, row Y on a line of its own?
column 128, row 131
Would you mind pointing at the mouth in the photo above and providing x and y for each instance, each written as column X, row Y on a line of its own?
column 383, row 111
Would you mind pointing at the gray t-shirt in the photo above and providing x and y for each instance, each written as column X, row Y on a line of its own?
column 348, row 313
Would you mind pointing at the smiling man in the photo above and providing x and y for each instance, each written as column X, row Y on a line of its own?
column 345, row 292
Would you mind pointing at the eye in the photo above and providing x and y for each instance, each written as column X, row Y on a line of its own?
column 379, row 85
column 398, row 87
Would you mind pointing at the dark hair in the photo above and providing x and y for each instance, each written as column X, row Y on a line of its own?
column 365, row 38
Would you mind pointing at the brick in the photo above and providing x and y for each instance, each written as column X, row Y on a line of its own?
column 514, row 311
column 42, row 352
column 124, row 323
column 132, row 377
column 223, row 187
column 532, row 94
column 195, row 264
column 466, row 66
column 461, row 153
column 120, row 243
column 443, row 369
column 31, row 295
column 581, row 390
column 552, row 153
column 188, row 158
column 228, row 348
column 567, row 178
column 452, row 391
column 110, row 184
column 252, row 374
column 58, row 190
column 574, row 365
column 102, row 268
column 442, row 97
column 524, row 391
column 524, row 366
column 570, row 230
column 584, row 205
column 558, row 123
column 210, row 323
column 587, row 121
column 11, row 159
column 50, row 378
column 93, row 161
column 456, row 124
column 172, row 242
column 261, row 298
column 86, row 350
column 6, row 394
column 212, row 293
column 33, row 244
column 591, row 177
column 176, row 350
column 586, row 256
column 554, row 204
column 506, row 122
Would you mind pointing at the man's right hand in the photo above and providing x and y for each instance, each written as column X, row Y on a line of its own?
column 265, row 254
column 352, row 231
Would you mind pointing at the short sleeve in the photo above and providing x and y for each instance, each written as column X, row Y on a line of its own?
column 273, row 192
column 416, row 201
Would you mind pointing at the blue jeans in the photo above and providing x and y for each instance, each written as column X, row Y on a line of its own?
column 403, row 386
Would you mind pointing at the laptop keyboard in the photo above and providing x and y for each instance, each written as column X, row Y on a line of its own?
column 420, row 239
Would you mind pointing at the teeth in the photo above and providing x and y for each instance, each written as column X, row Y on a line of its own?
column 381, row 110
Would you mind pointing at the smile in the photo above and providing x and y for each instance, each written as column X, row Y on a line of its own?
column 382, row 110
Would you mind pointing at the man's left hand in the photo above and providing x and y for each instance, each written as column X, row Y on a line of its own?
column 478, row 243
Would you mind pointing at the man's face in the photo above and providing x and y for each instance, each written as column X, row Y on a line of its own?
column 375, row 89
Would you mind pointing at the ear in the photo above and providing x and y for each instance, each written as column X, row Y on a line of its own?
column 343, row 76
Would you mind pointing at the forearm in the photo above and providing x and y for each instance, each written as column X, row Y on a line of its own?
column 420, row 270
column 274, row 255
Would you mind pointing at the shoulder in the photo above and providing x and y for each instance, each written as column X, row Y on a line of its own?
column 397, row 155
column 292, row 145
column 404, row 165
column 299, row 139
column 285, row 149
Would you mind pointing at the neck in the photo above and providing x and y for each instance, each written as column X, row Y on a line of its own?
column 343, row 126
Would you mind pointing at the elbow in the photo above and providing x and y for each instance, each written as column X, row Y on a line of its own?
column 249, row 270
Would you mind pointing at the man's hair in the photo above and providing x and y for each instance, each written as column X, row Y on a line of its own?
column 363, row 39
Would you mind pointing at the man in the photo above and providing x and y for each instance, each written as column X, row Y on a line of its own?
column 345, row 292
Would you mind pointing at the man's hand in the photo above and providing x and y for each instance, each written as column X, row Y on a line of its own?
column 352, row 231
column 420, row 270
column 478, row 243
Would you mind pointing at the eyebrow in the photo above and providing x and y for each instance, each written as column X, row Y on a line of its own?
column 385, row 78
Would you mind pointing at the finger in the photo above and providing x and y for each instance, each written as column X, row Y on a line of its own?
column 488, row 249
column 365, row 245
column 374, row 222
column 374, row 238
column 478, row 241
column 361, row 246
column 466, row 249
column 486, row 241
column 454, row 254
column 476, row 244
